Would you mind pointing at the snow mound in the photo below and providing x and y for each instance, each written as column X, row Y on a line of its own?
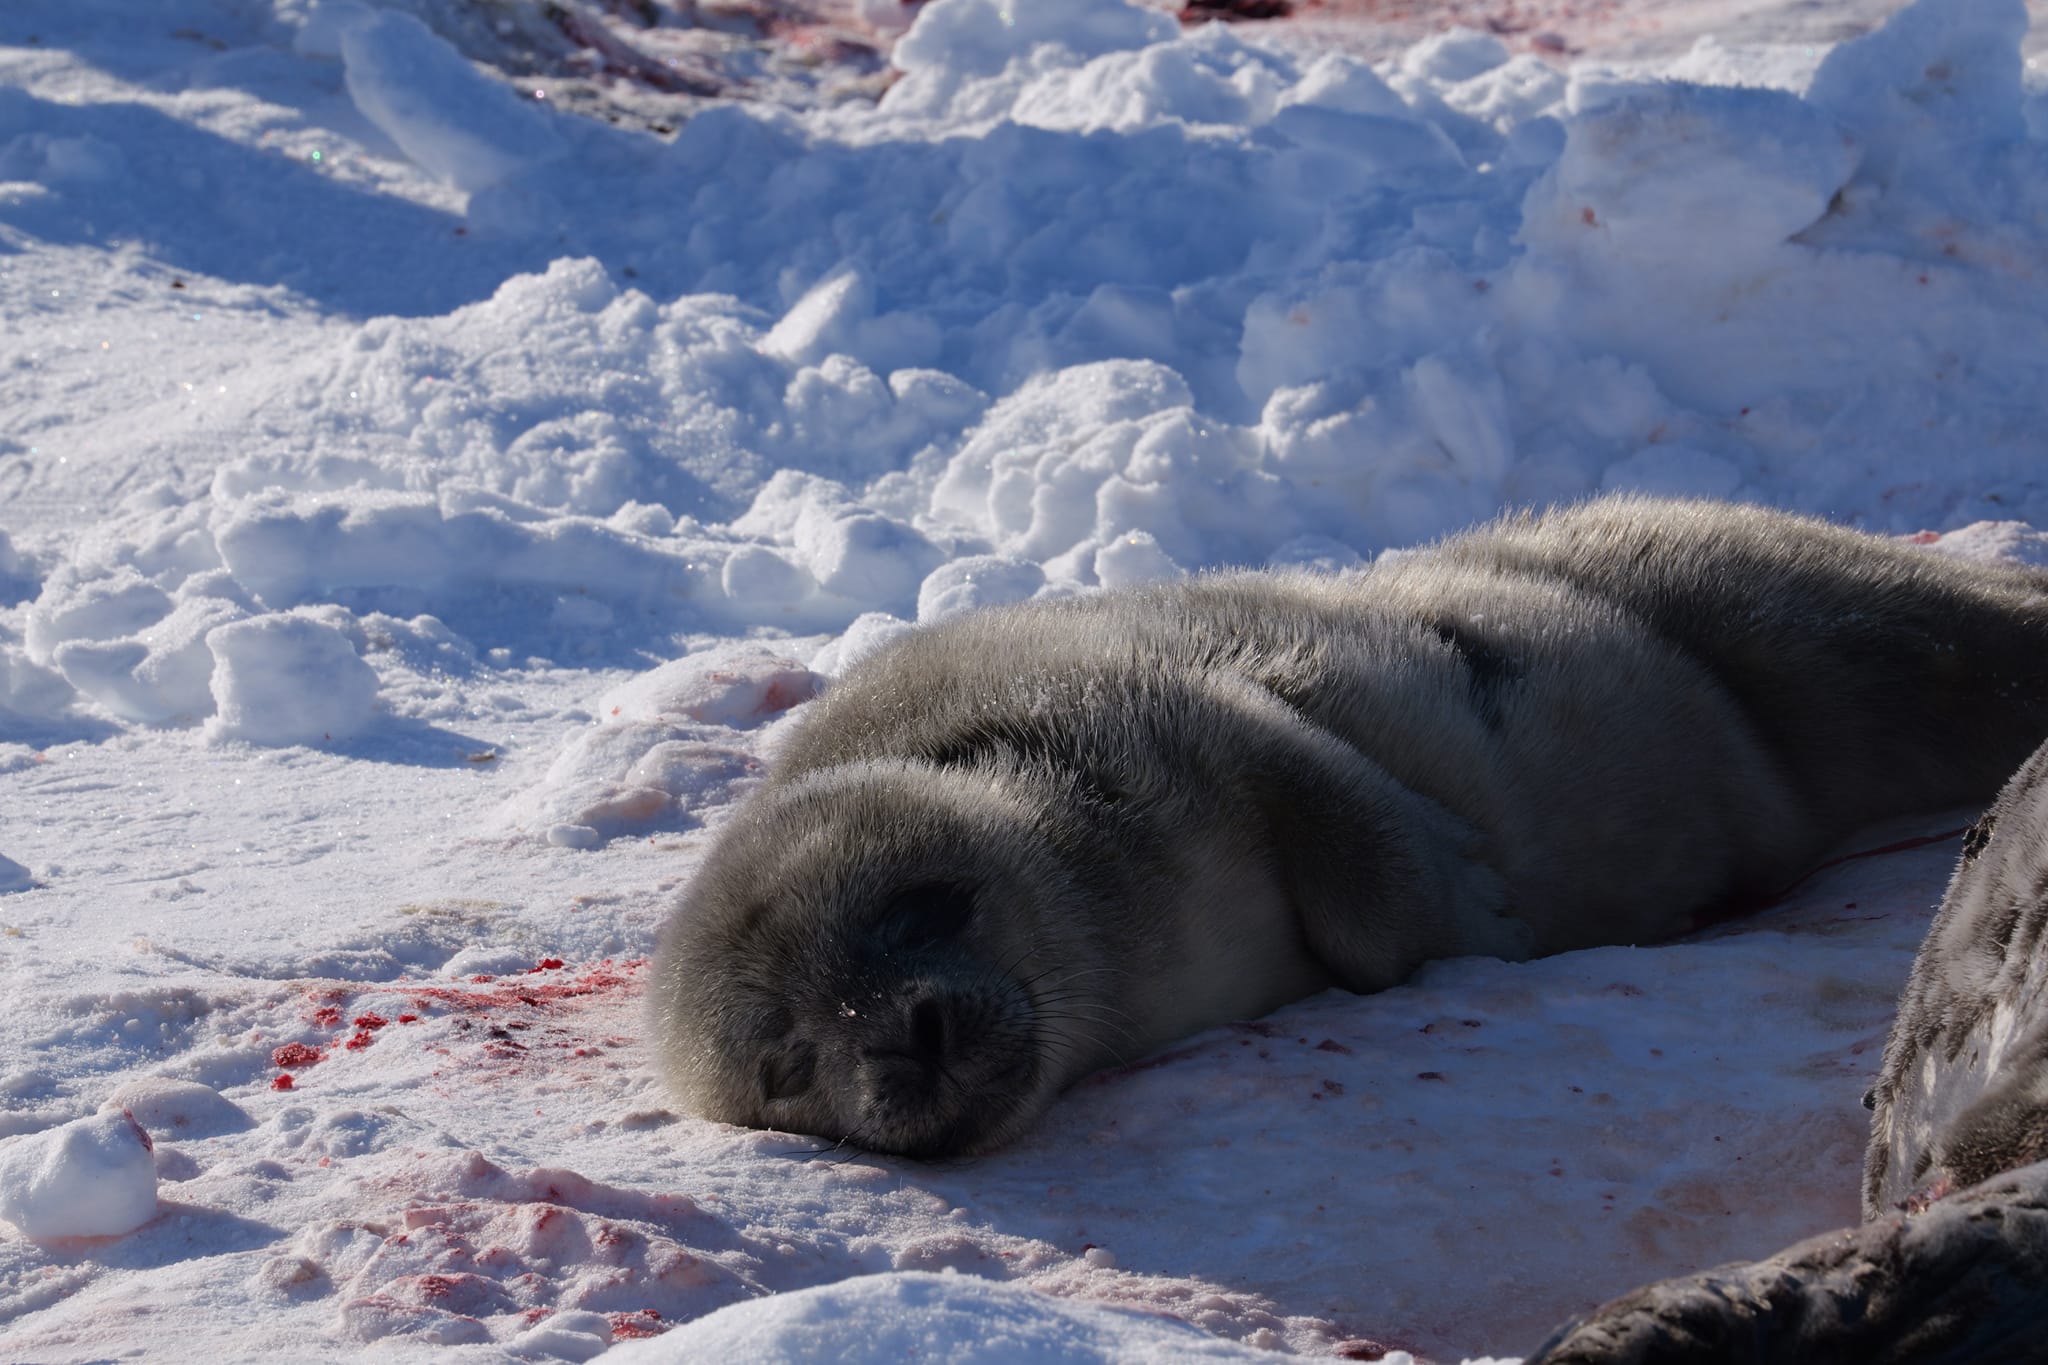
column 288, row 679
column 454, row 121
column 92, row 1177
column 665, row 746
column 917, row 1315
column 176, row 1110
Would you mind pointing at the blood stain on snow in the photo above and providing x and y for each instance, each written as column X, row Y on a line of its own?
column 294, row 1054
column 607, row 975
column 282, row 1081
column 644, row 1322
column 781, row 695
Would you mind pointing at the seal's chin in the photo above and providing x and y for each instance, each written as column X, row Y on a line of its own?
column 944, row 1068
column 977, row 1122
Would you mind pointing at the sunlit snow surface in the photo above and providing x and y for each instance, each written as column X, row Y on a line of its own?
column 419, row 509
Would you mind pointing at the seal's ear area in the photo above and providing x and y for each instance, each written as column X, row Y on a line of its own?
column 926, row 915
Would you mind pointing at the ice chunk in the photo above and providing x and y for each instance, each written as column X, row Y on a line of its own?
column 450, row 118
column 164, row 674
column 1939, row 72
column 1705, row 180
column 93, row 1177
column 288, row 679
column 737, row 685
column 979, row 37
column 869, row 632
column 917, row 1315
column 1457, row 54
column 975, row 581
column 1133, row 558
column 176, row 1109
column 823, row 320
column 13, row 876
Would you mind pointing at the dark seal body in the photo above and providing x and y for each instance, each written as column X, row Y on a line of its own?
column 1951, row 1267
column 1027, row 843
column 1964, row 1091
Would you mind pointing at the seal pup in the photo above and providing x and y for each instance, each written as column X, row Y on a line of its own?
column 1963, row 1094
column 1025, row 844
column 1949, row 1265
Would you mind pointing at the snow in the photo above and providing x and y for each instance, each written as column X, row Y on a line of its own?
column 92, row 1177
column 917, row 1315
column 421, row 507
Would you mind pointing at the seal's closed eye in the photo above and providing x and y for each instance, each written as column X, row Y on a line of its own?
column 927, row 915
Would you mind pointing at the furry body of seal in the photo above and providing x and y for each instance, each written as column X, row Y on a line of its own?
column 1023, row 844
column 1948, row 1269
column 1964, row 1091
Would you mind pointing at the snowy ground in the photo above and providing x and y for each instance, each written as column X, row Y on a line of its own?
column 419, row 505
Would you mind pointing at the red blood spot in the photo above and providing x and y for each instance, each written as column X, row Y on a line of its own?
column 606, row 976
column 781, row 695
column 1429, row 1075
column 435, row 1286
column 547, row 964
column 327, row 1016
column 408, row 1018
column 643, row 1323
column 361, row 1038
column 1332, row 1045
column 370, row 1021
column 1588, row 217
column 293, row 1054
column 281, row 1081
column 141, row 1133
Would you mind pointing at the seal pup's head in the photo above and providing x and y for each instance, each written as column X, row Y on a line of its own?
column 889, row 954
